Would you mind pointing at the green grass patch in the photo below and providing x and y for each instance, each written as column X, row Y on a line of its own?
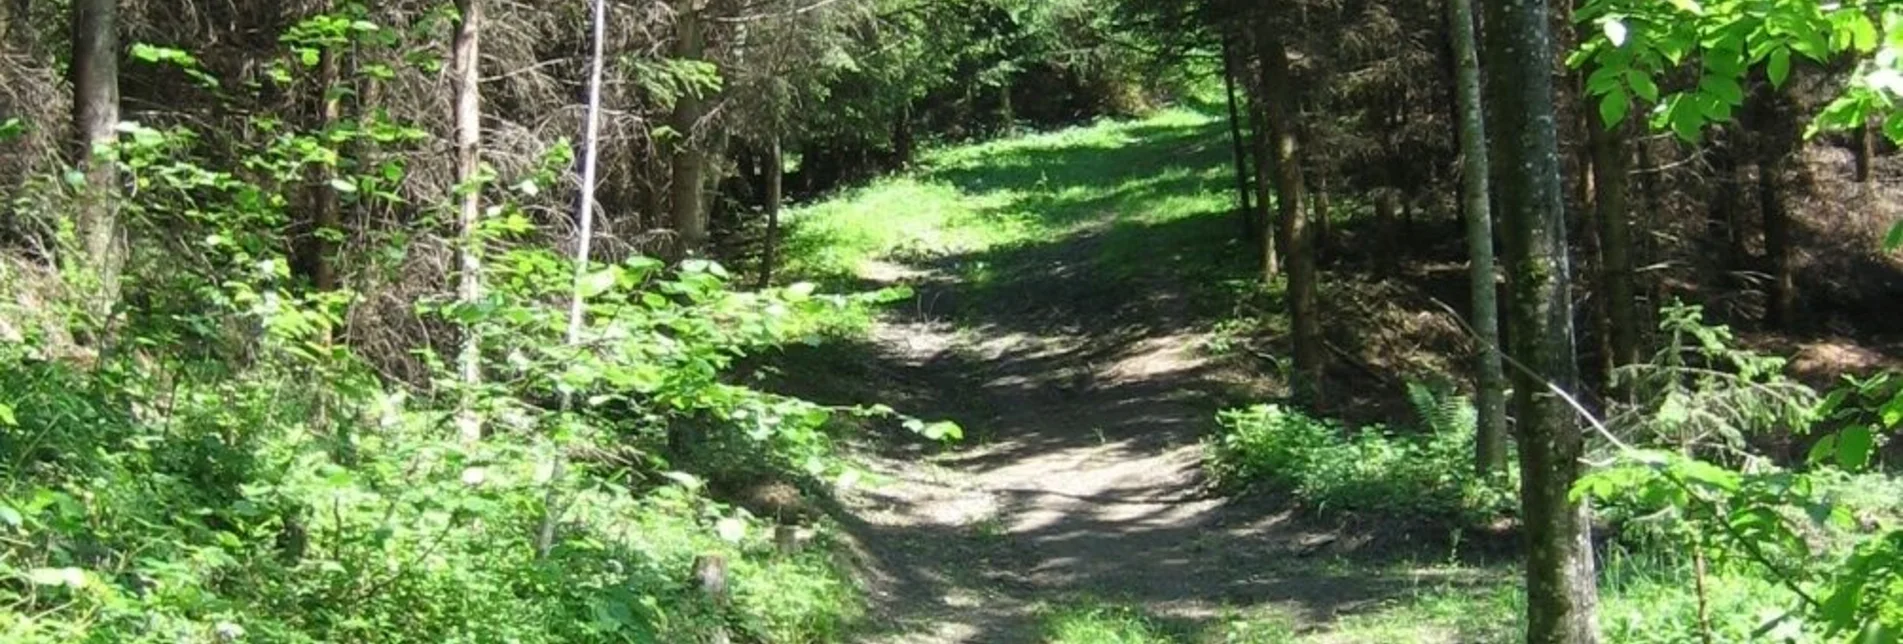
column 1158, row 182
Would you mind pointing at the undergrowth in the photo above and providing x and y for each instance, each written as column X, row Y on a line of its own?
column 1327, row 467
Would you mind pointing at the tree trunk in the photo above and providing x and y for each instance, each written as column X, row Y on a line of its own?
column 1324, row 228
column 1560, row 587
column 1235, row 137
column 1721, row 218
column 689, row 165
column 775, row 177
column 1610, row 167
column 1490, row 437
column 902, row 138
column 325, row 223
column 1282, row 113
column 1771, row 119
column 95, row 78
column 1265, row 236
column 1866, row 152
column 467, row 71
column 1781, row 307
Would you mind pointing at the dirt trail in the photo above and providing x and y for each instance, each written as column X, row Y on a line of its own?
column 1080, row 474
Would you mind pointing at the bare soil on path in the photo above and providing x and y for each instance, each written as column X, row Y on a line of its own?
column 1080, row 475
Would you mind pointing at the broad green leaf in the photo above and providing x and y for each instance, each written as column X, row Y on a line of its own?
column 731, row 530
column 6, row 416
column 684, row 479
column 1823, row 450
column 1853, row 447
column 1642, row 85
column 1778, row 67
column 1894, row 240
column 1613, row 107
column 69, row 577
column 10, row 516
column 596, row 283
column 1723, row 88
column 1892, row 410
column 1863, row 33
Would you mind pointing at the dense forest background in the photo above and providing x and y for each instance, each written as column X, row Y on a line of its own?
column 386, row 320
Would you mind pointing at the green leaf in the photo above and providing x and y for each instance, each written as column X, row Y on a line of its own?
column 1822, row 450
column 1642, row 85
column 1892, row 410
column 69, row 577
column 1853, row 448
column 1894, row 240
column 731, row 530
column 1863, row 33
column 596, row 283
column 1613, row 107
column 1723, row 88
column 1779, row 66
column 11, row 517
column 343, row 186
column 6, row 416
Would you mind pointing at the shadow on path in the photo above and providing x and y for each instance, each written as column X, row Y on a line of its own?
column 1075, row 364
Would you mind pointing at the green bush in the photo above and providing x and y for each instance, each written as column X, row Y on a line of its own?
column 1329, row 468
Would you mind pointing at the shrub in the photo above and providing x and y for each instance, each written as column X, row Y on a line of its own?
column 1328, row 468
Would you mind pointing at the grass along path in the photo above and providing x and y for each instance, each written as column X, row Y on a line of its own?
column 1067, row 285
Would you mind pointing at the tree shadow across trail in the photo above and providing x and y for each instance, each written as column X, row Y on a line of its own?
column 1074, row 360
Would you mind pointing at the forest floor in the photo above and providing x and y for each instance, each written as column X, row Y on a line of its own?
column 1067, row 294
column 1081, row 306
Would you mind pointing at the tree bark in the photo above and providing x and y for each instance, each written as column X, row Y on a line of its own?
column 1235, row 137
column 1282, row 114
column 1610, row 168
column 1265, row 236
column 1721, row 218
column 775, row 180
column 1490, row 436
column 1866, row 152
column 1781, row 308
column 689, row 164
column 1560, row 587
column 466, row 48
column 317, row 247
column 95, row 78
column 1772, row 121
column 1324, row 218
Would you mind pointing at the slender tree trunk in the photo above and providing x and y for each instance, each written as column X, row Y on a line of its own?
column 1610, row 167
column 1866, row 152
column 775, row 178
column 584, row 241
column 690, row 164
column 1781, row 308
column 1560, row 587
column 1490, row 437
column 902, row 139
column 1721, row 215
column 1235, row 137
column 1324, row 227
column 1265, row 235
column 467, row 70
column 1772, row 122
column 1290, row 190
column 318, row 248
column 95, row 77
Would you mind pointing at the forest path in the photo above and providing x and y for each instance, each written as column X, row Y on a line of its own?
column 1073, row 358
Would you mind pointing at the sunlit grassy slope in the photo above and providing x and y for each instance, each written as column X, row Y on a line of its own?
column 1160, row 183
